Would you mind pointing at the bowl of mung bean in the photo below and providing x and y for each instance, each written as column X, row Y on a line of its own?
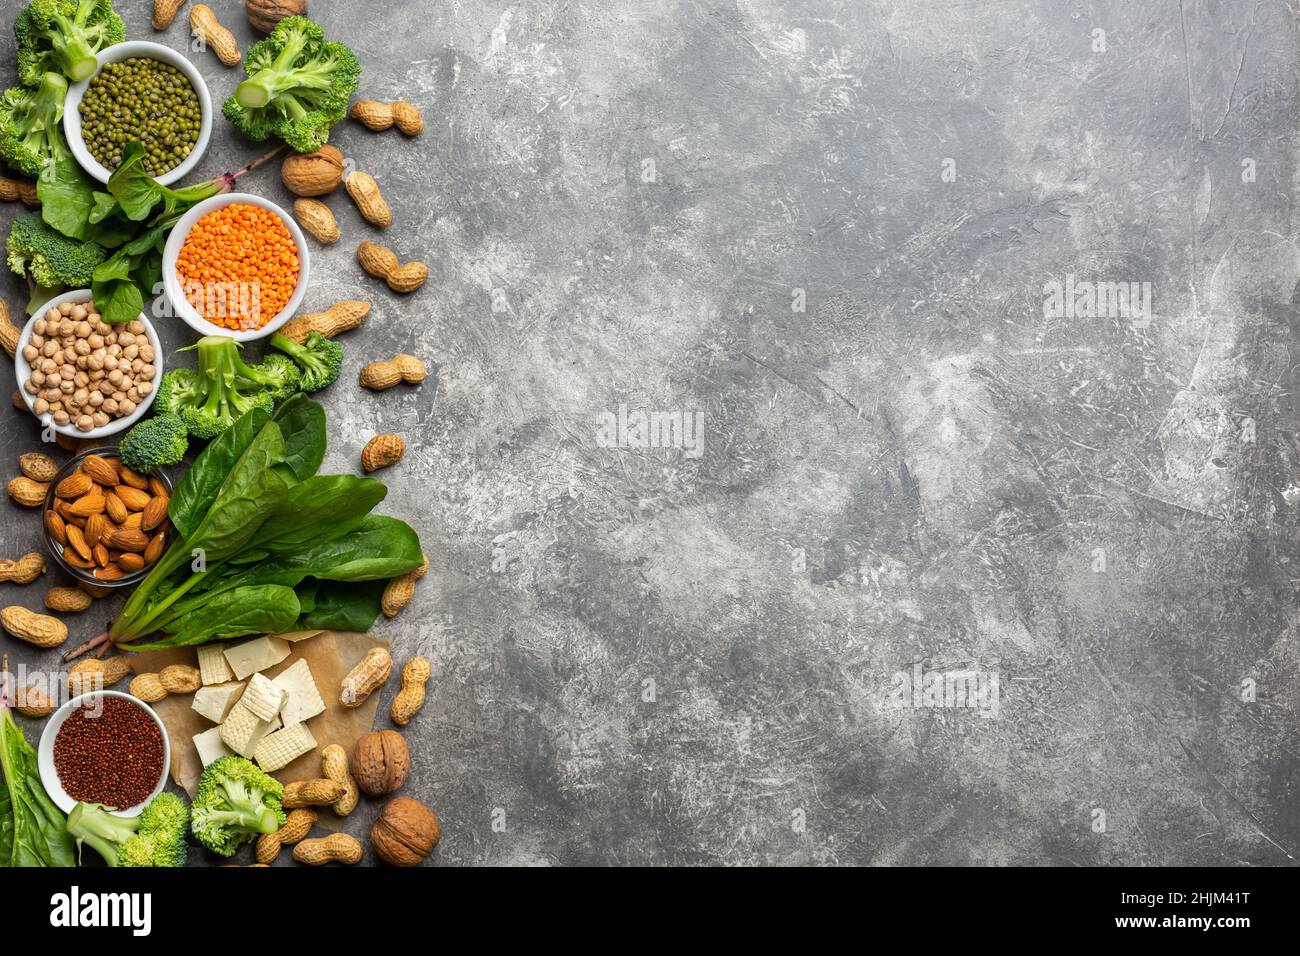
column 143, row 92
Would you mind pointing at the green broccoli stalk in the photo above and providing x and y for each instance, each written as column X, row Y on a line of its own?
column 49, row 260
column 222, row 390
column 63, row 36
column 161, row 440
column 298, row 86
column 320, row 359
column 155, row 838
column 235, row 802
column 31, row 139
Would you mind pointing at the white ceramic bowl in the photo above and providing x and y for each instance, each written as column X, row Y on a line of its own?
column 172, row 283
column 45, row 753
column 22, row 371
column 115, row 54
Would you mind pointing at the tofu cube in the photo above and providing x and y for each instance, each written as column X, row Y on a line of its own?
column 283, row 747
column 304, row 700
column 243, row 730
column 256, row 655
column 213, row 668
column 214, row 702
column 209, row 746
column 262, row 697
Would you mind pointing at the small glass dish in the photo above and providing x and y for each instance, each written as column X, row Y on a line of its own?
column 56, row 548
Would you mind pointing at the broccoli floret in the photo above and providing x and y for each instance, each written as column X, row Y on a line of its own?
column 63, row 36
column 155, row 838
column 298, row 86
column 156, row 441
column 224, row 388
column 31, row 139
column 179, row 388
column 47, row 257
column 277, row 374
column 320, row 359
column 235, row 802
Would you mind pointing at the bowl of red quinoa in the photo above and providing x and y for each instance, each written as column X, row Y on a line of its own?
column 104, row 747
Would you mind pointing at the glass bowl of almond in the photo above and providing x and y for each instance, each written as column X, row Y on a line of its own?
column 105, row 524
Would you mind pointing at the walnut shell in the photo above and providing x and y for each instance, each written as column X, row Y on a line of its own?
column 265, row 14
column 405, row 833
column 380, row 762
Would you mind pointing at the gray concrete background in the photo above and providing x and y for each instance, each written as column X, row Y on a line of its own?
column 618, row 202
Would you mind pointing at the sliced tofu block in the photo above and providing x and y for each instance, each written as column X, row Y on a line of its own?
column 283, row 747
column 256, row 655
column 262, row 697
column 243, row 730
column 213, row 668
column 214, row 702
column 304, row 699
column 209, row 746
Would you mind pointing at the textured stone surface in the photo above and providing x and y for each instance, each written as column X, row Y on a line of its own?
column 641, row 655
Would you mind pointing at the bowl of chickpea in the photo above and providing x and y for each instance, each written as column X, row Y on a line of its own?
column 81, row 376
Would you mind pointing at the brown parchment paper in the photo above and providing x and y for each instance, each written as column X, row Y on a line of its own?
column 329, row 654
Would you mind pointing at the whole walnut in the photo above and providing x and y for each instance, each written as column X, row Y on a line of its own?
column 405, row 833
column 265, row 14
column 380, row 762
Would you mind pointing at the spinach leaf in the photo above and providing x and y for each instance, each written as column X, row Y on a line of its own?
column 32, row 830
column 102, row 205
column 198, row 488
column 135, row 190
column 302, row 423
column 345, row 607
column 250, row 494
column 257, row 609
column 67, row 199
column 320, row 509
column 118, row 300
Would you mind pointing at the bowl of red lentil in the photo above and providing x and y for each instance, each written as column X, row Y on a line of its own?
column 104, row 747
column 236, row 265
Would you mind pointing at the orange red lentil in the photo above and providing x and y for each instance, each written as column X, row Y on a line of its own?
column 239, row 266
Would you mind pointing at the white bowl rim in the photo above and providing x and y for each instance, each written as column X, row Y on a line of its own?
column 22, row 369
column 172, row 283
column 45, row 754
column 124, row 51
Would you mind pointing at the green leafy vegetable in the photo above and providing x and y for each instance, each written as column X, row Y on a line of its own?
column 32, row 830
column 262, row 523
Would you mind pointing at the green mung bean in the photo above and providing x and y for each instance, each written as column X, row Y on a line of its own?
column 144, row 100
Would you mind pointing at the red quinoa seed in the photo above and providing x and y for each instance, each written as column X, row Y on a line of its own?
column 112, row 755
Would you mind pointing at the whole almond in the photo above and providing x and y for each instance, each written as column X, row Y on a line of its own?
column 96, row 527
column 100, row 553
column 133, row 478
column 100, row 470
column 77, row 541
column 155, row 512
column 156, row 487
column 128, row 539
column 113, row 505
column 133, row 498
column 130, row 562
column 73, row 486
column 155, row 549
column 110, row 573
column 91, row 503
column 56, row 527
